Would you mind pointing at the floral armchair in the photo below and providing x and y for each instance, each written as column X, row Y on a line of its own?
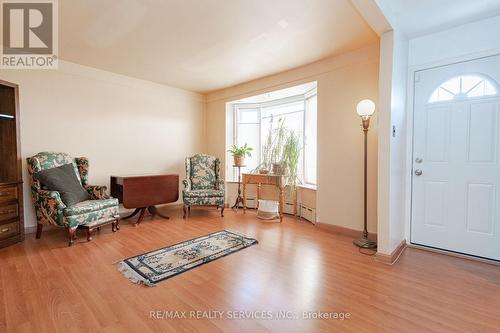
column 203, row 185
column 49, row 207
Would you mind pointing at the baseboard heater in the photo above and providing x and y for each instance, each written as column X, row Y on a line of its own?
column 308, row 213
column 251, row 202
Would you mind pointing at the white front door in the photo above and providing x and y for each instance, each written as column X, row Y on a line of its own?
column 456, row 152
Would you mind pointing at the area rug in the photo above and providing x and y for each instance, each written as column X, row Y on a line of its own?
column 158, row 265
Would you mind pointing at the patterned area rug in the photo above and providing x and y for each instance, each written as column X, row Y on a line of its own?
column 158, row 265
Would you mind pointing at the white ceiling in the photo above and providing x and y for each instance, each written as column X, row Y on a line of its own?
column 205, row 45
column 419, row 17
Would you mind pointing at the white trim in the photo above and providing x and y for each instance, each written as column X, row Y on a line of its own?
column 454, row 60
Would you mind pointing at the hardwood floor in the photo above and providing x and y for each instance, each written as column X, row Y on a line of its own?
column 47, row 287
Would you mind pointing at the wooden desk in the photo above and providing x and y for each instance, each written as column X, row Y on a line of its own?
column 259, row 179
column 145, row 192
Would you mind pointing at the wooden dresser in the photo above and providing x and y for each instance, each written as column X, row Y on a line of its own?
column 11, row 187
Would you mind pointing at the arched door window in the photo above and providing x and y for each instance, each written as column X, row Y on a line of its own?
column 464, row 86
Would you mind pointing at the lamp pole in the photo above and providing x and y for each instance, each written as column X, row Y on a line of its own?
column 365, row 109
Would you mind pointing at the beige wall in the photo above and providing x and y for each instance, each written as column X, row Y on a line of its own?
column 342, row 82
column 123, row 125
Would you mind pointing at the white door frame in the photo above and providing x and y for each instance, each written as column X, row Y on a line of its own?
column 410, row 111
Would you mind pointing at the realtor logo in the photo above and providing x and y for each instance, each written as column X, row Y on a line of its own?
column 29, row 34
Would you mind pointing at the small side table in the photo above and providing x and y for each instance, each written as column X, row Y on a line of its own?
column 239, row 198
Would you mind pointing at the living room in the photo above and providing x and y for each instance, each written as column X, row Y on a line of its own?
column 249, row 166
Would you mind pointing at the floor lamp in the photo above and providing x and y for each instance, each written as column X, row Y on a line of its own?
column 365, row 110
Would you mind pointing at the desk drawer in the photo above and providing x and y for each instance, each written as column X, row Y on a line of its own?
column 8, row 212
column 8, row 230
column 8, row 193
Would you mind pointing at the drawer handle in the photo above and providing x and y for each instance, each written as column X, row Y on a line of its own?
column 3, row 212
column 4, row 230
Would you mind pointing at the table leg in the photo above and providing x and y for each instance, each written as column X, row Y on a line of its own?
column 244, row 197
column 137, row 210
column 89, row 234
column 295, row 202
column 238, row 198
column 141, row 216
column 154, row 211
column 259, row 185
column 281, row 201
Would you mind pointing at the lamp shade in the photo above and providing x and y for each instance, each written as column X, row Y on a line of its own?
column 365, row 108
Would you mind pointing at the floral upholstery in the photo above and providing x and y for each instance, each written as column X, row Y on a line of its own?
column 201, row 170
column 203, row 193
column 48, row 204
column 89, row 206
column 203, row 185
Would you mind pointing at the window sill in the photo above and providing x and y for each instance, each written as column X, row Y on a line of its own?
column 308, row 186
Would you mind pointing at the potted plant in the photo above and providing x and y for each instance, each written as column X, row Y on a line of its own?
column 265, row 166
column 291, row 155
column 280, row 135
column 239, row 154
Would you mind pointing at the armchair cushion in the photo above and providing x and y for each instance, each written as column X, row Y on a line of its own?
column 203, row 193
column 63, row 179
column 91, row 217
column 204, row 201
column 89, row 206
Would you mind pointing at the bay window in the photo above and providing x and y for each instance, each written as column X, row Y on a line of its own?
column 253, row 118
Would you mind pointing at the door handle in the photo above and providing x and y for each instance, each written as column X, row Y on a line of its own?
column 418, row 172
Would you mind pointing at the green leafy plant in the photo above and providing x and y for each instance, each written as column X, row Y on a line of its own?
column 281, row 151
column 241, row 151
column 291, row 155
column 279, row 138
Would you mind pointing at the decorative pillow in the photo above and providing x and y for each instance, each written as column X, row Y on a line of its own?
column 63, row 180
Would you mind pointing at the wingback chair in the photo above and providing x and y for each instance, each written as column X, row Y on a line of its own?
column 49, row 207
column 203, row 184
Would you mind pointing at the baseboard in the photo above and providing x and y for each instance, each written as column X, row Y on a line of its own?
column 30, row 230
column 454, row 254
column 390, row 259
column 335, row 229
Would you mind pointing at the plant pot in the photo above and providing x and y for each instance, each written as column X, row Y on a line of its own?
column 278, row 168
column 239, row 161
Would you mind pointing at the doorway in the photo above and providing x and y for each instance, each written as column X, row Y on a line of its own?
column 455, row 168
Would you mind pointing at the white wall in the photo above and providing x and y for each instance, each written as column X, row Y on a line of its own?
column 465, row 41
column 392, row 147
column 123, row 125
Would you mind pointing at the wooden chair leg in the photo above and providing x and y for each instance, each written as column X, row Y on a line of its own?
column 117, row 223
column 184, row 210
column 71, row 234
column 39, row 228
column 89, row 235
column 222, row 211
